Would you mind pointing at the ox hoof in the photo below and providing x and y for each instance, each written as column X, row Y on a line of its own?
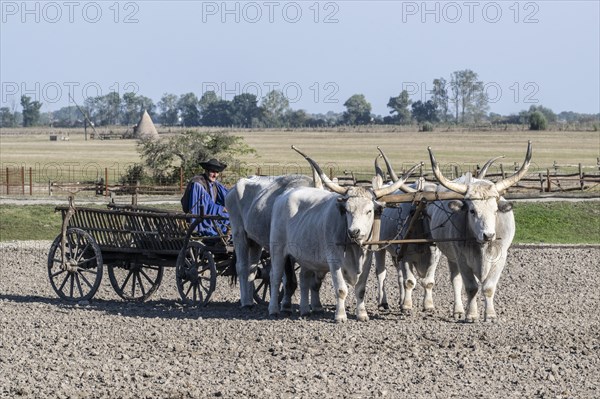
column 458, row 316
column 384, row 306
column 362, row 317
column 273, row 316
column 470, row 320
column 491, row 319
column 341, row 319
column 406, row 312
column 428, row 310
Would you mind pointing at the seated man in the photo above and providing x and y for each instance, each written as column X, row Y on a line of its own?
column 209, row 193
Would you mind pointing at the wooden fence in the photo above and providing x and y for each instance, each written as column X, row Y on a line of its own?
column 28, row 182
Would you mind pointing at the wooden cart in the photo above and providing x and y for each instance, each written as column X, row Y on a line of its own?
column 136, row 243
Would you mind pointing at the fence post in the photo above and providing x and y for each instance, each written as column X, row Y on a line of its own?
column 106, row 182
column 181, row 180
column 541, row 182
column 502, row 171
column 7, row 183
column 580, row 177
column 50, row 188
column 22, row 180
column 548, row 183
column 30, row 181
column 331, row 173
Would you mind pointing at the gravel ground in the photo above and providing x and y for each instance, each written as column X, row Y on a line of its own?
column 546, row 343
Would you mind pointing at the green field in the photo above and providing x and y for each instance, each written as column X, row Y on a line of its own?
column 551, row 222
column 342, row 149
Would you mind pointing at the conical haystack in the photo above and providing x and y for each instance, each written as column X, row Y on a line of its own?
column 145, row 128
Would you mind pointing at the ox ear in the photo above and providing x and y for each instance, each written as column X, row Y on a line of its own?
column 505, row 206
column 456, row 205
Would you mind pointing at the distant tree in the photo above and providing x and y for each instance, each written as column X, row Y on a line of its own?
column 399, row 106
column 163, row 157
column 425, row 111
column 548, row 113
column 537, row 121
column 358, row 110
column 31, row 111
column 468, row 95
column 298, row 118
column 188, row 109
column 207, row 98
column 219, row 113
column 274, row 105
column 131, row 111
column 7, row 118
column 439, row 96
column 67, row 117
column 169, row 113
column 245, row 110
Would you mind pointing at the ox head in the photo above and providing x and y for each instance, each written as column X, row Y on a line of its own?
column 482, row 198
column 358, row 204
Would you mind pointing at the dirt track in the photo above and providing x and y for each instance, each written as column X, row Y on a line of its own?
column 546, row 343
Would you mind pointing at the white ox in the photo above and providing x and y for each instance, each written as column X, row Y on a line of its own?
column 486, row 220
column 415, row 258
column 250, row 203
column 324, row 232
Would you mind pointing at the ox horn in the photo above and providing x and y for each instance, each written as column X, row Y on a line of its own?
column 504, row 184
column 336, row 188
column 485, row 168
column 393, row 174
column 450, row 185
column 390, row 189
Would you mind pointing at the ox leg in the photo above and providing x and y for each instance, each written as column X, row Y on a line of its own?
column 315, row 288
column 305, row 281
column 472, row 288
column 427, row 283
column 341, row 291
column 277, row 269
column 489, row 289
column 360, row 290
column 242, row 249
column 381, row 272
column 457, row 284
column 409, row 284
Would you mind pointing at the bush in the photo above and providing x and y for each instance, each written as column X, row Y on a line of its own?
column 427, row 127
column 537, row 121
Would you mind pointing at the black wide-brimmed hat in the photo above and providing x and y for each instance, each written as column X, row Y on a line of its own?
column 213, row 164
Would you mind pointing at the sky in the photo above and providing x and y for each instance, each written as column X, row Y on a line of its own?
column 319, row 53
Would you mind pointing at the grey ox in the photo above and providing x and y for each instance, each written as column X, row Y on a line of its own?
column 486, row 220
column 250, row 203
column 412, row 259
column 324, row 232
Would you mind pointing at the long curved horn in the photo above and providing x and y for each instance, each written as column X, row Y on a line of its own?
column 393, row 174
column 450, row 185
column 378, row 171
column 336, row 188
column 504, row 184
column 485, row 167
column 390, row 189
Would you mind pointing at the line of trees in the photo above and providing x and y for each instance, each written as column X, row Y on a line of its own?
column 462, row 100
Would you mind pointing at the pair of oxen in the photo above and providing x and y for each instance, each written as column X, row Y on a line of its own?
column 323, row 231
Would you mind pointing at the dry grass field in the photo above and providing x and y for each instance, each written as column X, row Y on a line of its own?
column 342, row 149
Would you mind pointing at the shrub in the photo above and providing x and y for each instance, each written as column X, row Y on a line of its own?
column 427, row 127
column 537, row 121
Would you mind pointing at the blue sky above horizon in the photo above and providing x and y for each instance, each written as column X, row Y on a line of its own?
column 318, row 52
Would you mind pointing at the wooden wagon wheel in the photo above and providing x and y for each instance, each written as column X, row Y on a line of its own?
column 135, row 281
column 196, row 274
column 75, row 270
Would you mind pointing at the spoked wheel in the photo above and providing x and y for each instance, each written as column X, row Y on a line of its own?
column 79, row 277
column 196, row 274
column 135, row 281
column 262, row 281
